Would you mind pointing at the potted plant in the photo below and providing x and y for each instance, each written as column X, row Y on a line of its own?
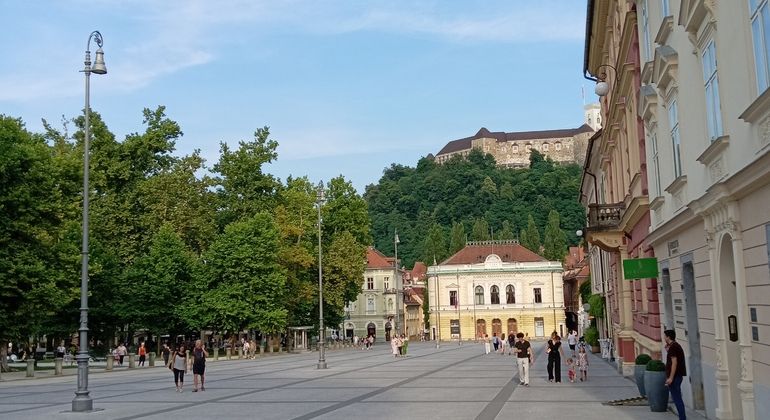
column 655, row 386
column 641, row 366
column 591, row 335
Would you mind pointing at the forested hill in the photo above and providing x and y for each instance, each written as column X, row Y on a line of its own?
column 435, row 207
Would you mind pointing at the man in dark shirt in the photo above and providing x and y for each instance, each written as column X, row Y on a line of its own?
column 524, row 357
column 675, row 371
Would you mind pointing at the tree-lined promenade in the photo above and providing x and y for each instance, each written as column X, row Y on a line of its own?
column 176, row 245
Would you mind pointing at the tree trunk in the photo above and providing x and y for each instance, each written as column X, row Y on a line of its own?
column 4, row 356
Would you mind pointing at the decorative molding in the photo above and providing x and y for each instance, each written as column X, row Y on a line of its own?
column 665, row 68
column 757, row 109
column 666, row 28
column 717, row 170
column 764, row 132
column 657, row 202
column 677, row 184
column 714, row 150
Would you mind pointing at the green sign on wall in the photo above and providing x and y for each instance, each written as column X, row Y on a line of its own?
column 640, row 268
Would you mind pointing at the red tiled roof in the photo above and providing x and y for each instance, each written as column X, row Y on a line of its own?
column 508, row 252
column 419, row 271
column 501, row 136
column 376, row 259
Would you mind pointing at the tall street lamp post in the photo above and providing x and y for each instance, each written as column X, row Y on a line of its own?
column 82, row 401
column 320, row 200
column 399, row 289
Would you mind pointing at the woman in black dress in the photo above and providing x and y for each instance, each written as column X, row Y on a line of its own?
column 199, row 364
column 555, row 352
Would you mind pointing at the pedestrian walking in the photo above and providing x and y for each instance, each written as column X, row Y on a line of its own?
column 571, row 369
column 572, row 341
column 486, row 343
column 503, row 343
column 394, row 346
column 121, row 350
column 142, row 354
column 199, row 355
column 400, row 344
column 555, row 352
column 178, row 365
column 582, row 363
column 405, row 345
column 166, row 353
column 495, row 341
column 676, row 370
column 523, row 358
column 246, row 351
column 60, row 351
column 511, row 342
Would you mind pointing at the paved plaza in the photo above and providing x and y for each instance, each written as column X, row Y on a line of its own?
column 453, row 382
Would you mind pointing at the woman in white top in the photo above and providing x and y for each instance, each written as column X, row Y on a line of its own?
column 178, row 364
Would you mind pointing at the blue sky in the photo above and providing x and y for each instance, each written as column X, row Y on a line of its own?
column 346, row 87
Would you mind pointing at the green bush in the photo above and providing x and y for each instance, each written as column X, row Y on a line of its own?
column 591, row 335
column 643, row 359
column 597, row 306
column 656, row 366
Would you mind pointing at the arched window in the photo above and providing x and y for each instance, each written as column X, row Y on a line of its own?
column 495, row 295
column 510, row 294
column 479, row 295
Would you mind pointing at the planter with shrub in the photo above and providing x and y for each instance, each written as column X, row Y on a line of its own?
column 655, row 386
column 641, row 366
column 591, row 335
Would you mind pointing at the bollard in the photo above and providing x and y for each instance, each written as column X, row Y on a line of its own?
column 110, row 362
column 131, row 360
column 152, row 358
column 240, row 352
column 57, row 366
column 216, row 353
column 229, row 353
column 280, row 348
column 30, row 368
column 261, row 349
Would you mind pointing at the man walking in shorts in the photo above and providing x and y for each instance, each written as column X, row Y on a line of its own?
column 523, row 357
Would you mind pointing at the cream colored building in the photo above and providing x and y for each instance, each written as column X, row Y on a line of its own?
column 375, row 311
column 705, row 104
column 513, row 149
column 497, row 287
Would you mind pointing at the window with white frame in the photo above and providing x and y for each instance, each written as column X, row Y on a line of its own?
column 647, row 43
column 653, row 136
column 673, row 121
column 386, row 283
column 370, row 283
column 760, row 31
column 664, row 7
column 711, row 86
column 370, row 304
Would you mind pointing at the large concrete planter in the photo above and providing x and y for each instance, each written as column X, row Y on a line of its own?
column 657, row 392
column 639, row 378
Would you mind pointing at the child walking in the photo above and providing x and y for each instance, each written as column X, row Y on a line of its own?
column 571, row 369
column 582, row 363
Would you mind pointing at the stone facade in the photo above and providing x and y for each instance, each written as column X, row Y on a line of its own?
column 495, row 287
column 513, row 149
column 374, row 311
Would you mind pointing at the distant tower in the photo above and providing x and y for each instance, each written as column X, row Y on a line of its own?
column 593, row 116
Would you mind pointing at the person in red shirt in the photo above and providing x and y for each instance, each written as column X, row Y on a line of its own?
column 675, row 371
column 142, row 354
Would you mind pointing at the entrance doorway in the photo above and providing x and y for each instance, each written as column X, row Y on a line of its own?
column 497, row 327
column 692, row 333
column 513, row 326
column 730, row 307
column 481, row 328
column 371, row 330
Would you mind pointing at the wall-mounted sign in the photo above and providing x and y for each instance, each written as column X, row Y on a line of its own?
column 640, row 268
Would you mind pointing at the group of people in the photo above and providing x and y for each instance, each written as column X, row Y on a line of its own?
column 366, row 343
column 399, row 344
column 180, row 363
column 577, row 363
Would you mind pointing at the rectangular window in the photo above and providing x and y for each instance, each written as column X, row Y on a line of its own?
column 664, row 7
column 453, row 297
column 370, row 283
column 386, row 283
column 653, row 135
column 646, row 42
column 538, row 295
column 673, row 121
column 711, row 86
column 760, row 31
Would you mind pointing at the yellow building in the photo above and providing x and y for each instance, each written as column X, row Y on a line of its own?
column 495, row 287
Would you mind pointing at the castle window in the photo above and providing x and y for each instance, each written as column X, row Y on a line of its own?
column 515, row 148
column 545, row 147
column 557, row 146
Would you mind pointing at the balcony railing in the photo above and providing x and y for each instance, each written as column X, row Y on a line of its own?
column 604, row 216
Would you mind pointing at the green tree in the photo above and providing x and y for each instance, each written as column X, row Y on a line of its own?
column 245, row 280
column 530, row 237
column 434, row 245
column 344, row 263
column 480, row 230
column 457, row 241
column 506, row 233
column 555, row 241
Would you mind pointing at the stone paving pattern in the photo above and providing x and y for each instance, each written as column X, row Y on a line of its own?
column 452, row 382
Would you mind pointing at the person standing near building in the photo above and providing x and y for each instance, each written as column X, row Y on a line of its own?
column 676, row 370
column 166, row 352
column 572, row 341
column 199, row 355
column 121, row 350
column 524, row 358
column 555, row 352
